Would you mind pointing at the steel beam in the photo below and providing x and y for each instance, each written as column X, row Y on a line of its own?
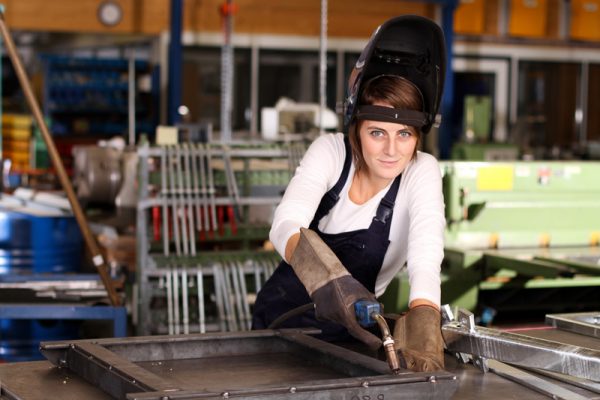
column 463, row 337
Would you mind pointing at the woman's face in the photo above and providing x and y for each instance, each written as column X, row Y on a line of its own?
column 387, row 147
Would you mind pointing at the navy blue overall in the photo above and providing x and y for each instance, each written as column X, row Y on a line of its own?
column 360, row 251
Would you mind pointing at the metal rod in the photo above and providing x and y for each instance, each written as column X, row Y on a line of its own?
column 165, row 197
column 169, row 302
column 237, row 295
column 182, row 211
column 184, row 300
column 131, row 98
column 175, row 272
column 195, row 189
column 201, row 315
column 173, row 198
column 90, row 241
column 244, row 293
column 533, row 382
column 189, row 199
column 219, row 298
column 203, row 187
column 211, row 187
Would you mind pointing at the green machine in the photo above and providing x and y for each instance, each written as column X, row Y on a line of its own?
column 520, row 237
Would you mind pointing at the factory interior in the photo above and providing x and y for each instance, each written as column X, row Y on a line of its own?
column 146, row 145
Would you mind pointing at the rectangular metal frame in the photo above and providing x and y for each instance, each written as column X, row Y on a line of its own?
column 113, row 365
column 587, row 323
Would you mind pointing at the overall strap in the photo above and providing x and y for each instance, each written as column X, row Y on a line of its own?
column 333, row 195
column 386, row 207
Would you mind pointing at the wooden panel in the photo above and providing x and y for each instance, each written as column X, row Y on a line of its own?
column 354, row 18
column 585, row 19
column 469, row 17
column 528, row 18
column 155, row 15
column 64, row 15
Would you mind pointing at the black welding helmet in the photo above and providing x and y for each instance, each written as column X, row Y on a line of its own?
column 408, row 46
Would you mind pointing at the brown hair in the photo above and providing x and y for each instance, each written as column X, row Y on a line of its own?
column 398, row 92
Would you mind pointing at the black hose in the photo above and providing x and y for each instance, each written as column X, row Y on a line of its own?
column 289, row 314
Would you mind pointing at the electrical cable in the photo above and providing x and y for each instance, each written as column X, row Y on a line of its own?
column 292, row 313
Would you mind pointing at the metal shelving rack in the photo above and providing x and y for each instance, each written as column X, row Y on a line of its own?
column 197, row 270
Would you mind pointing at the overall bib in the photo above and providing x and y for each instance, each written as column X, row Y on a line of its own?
column 360, row 251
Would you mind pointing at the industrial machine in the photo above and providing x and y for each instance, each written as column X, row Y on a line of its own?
column 522, row 236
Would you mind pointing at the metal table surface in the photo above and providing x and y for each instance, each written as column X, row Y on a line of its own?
column 40, row 380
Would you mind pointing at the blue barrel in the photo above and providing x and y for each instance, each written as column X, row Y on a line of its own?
column 31, row 244
column 39, row 244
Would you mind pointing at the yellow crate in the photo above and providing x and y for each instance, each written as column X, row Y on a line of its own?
column 528, row 18
column 17, row 121
column 17, row 157
column 16, row 145
column 16, row 133
column 469, row 17
column 585, row 19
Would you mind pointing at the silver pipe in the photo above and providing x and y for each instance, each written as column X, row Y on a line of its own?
column 189, row 209
column 175, row 281
column 227, row 297
column 184, row 300
column 165, row 198
column 201, row 315
column 204, row 186
column 219, row 297
column 237, row 295
column 169, row 302
column 227, row 66
column 173, row 198
column 131, row 97
column 181, row 198
column 211, row 187
column 196, row 190
column 244, row 295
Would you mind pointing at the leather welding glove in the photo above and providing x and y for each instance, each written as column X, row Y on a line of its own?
column 330, row 286
column 418, row 339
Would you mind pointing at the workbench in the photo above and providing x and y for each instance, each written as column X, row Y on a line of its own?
column 290, row 364
column 35, row 380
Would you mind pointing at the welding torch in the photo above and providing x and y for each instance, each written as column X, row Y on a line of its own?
column 369, row 313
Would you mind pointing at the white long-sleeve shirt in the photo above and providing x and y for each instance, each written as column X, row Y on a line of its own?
column 417, row 230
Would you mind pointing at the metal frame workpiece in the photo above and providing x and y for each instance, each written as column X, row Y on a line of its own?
column 587, row 323
column 464, row 338
column 268, row 364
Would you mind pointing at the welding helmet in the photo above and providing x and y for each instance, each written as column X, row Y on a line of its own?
column 408, row 46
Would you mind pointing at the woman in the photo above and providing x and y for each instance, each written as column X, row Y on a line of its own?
column 372, row 204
